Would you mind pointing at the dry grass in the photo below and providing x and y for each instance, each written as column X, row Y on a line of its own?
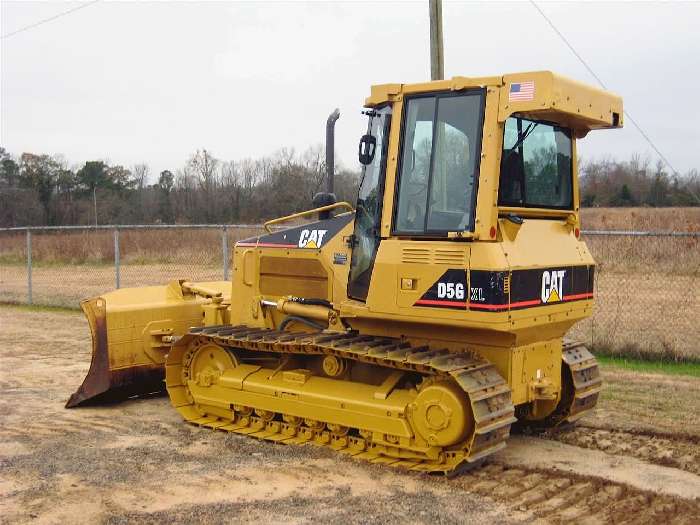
column 202, row 245
column 659, row 256
column 62, row 285
column 135, row 246
column 641, row 219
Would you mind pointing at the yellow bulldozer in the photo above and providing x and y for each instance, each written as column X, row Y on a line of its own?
column 413, row 329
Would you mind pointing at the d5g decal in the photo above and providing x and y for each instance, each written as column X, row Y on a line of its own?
column 450, row 291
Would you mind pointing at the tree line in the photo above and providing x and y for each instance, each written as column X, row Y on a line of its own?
column 38, row 189
column 44, row 190
column 636, row 182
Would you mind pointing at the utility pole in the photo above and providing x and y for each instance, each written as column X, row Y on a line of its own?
column 437, row 63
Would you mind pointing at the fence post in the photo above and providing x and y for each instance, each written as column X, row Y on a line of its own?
column 224, row 248
column 116, row 258
column 29, row 267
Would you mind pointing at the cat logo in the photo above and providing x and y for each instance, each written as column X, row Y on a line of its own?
column 311, row 238
column 552, row 285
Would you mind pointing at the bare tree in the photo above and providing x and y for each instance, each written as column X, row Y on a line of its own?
column 140, row 173
column 204, row 166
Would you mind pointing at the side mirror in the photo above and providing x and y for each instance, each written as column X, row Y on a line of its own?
column 368, row 145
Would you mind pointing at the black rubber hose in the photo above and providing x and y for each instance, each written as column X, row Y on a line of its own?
column 303, row 320
column 312, row 302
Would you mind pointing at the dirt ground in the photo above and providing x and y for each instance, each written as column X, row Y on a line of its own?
column 635, row 460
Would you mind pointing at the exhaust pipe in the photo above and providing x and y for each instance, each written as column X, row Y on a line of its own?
column 330, row 147
column 328, row 197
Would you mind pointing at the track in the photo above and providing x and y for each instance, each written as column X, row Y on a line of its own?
column 581, row 383
column 677, row 451
column 483, row 387
column 559, row 497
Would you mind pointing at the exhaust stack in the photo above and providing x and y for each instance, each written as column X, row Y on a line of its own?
column 330, row 147
column 328, row 197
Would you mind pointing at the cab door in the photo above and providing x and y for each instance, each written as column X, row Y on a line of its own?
column 368, row 213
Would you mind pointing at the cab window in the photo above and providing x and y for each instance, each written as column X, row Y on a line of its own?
column 536, row 165
column 439, row 163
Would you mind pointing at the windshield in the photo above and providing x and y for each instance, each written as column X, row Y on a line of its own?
column 439, row 163
column 536, row 166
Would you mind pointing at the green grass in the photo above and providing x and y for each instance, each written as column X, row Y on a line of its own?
column 41, row 308
column 654, row 367
column 661, row 353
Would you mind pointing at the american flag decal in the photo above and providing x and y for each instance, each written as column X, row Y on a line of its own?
column 521, row 91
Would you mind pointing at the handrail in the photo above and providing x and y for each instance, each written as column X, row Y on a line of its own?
column 343, row 204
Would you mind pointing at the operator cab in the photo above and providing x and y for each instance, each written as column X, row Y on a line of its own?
column 445, row 160
column 438, row 172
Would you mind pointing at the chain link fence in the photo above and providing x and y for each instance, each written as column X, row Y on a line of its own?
column 647, row 293
column 647, row 284
column 59, row 266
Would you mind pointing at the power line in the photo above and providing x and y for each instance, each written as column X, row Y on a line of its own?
column 51, row 18
column 602, row 84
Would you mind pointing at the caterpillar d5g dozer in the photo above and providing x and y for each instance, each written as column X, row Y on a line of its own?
column 414, row 329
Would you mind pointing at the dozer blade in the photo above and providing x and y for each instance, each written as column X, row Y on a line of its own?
column 104, row 382
column 131, row 334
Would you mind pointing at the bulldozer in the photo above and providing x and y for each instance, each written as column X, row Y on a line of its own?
column 412, row 329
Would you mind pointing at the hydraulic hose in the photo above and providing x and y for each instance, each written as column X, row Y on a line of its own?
column 303, row 320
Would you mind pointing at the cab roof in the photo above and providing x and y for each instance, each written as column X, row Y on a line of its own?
column 539, row 95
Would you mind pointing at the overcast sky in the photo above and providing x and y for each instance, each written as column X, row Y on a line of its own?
column 152, row 82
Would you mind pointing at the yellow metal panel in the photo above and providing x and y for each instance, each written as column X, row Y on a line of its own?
column 543, row 243
column 489, row 169
column 303, row 278
column 565, row 101
column 316, row 400
column 392, row 167
column 381, row 93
